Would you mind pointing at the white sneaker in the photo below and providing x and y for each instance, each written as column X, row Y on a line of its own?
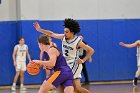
column 22, row 89
column 13, row 88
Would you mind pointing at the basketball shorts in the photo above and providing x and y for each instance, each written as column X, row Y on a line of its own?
column 21, row 66
column 64, row 78
column 76, row 69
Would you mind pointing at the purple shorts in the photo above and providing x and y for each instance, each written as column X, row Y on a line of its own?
column 64, row 78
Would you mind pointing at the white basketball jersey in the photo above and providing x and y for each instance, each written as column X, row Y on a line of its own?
column 21, row 52
column 70, row 52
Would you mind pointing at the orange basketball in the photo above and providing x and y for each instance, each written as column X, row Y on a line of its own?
column 33, row 68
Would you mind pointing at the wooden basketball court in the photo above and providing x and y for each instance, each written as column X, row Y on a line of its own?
column 94, row 88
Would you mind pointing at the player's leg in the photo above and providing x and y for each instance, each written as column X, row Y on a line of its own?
column 48, row 73
column 15, row 80
column 21, row 77
column 16, row 76
column 77, row 83
column 137, row 72
column 135, row 81
column 17, row 68
column 78, row 88
column 61, row 89
column 69, row 89
column 23, row 69
column 46, row 86
column 22, row 81
column 68, row 83
column 52, row 82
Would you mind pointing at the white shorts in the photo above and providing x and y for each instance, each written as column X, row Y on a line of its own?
column 76, row 69
column 21, row 66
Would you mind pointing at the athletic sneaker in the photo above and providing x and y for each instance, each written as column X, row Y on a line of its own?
column 135, row 81
column 22, row 88
column 13, row 88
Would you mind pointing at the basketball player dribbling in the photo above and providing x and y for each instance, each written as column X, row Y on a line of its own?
column 62, row 73
column 44, row 56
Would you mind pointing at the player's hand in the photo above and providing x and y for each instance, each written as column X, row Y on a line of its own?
column 36, row 25
column 49, row 67
column 80, row 61
column 44, row 66
column 15, row 63
column 36, row 61
column 121, row 43
column 31, row 61
column 90, row 60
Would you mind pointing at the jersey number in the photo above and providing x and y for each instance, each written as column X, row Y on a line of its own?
column 22, row 53
column 66, row 52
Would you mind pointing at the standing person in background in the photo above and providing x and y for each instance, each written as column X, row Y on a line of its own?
column 44, row 56
column 82, row 54
column 135, row 44
column 19, row 58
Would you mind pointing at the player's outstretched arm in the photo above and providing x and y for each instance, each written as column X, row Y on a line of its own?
column 130, row 45
column 47, row 32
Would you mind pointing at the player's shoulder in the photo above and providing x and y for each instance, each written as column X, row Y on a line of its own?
column 77, row 39
column 138, row 41
column 25, row 45
column 16, row 45
column 53, row 50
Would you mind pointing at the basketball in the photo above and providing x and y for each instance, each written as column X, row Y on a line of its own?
column 33, row 68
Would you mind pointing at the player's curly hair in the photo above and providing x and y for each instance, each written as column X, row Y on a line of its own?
column 72, row 24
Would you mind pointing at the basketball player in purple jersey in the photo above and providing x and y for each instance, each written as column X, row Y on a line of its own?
column 62, row 73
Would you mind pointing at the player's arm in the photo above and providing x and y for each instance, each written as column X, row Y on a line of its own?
column 88, row 49
column 28, row 55
column 51, row 62
column 54, row 44
column 130, row 45
column 14, row 55
column 90, row 59
column 41, row 55
column 47, row 32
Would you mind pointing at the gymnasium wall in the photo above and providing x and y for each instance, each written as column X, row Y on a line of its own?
column 104, row 23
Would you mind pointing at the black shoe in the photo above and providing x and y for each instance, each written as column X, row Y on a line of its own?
column 86, row 83
column 135, row 81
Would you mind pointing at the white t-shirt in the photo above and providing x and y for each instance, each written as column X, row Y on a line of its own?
column 21, row 52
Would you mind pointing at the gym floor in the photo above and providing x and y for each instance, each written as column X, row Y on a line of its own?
column 94, row 88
